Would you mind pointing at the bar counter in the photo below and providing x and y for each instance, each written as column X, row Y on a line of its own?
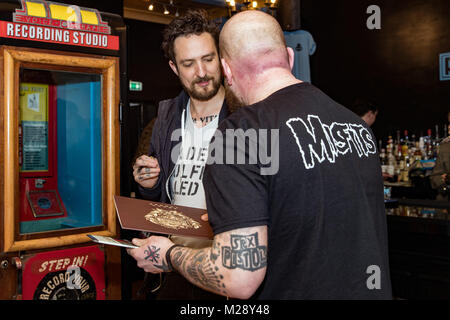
column 419, row 248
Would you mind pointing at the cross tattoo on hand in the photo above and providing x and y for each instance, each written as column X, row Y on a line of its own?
column 152, row 253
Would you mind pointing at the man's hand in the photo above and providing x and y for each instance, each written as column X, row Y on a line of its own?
column 151, row 254
column 146, row 171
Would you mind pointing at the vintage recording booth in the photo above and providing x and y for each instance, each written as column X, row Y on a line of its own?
column 61, row 88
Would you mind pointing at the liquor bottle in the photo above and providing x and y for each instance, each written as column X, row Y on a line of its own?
column 422, row 147
column 428, row 146
column 418, row 152
column 389, row 146
column 391, row 162
column 405, row 144
column 436, row 143
column 405, row 173
column 384, row 161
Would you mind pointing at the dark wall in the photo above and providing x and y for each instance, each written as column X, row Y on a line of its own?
column 397, row 66
column 147, row 64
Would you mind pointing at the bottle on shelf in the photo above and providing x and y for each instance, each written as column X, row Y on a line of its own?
column 383, row 161
column 429, row 146
column 391, row 161
column 405, row 144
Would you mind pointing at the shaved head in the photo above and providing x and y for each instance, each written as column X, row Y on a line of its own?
column 255, row 40
column 254, row 57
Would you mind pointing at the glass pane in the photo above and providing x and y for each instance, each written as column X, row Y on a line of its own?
column 60, row 150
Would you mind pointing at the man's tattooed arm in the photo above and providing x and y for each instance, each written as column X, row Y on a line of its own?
column 198, row 268
column 234, row 266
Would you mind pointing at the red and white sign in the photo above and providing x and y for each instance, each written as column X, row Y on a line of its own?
column 69, row 274
column 62, row 24
column 39, row 33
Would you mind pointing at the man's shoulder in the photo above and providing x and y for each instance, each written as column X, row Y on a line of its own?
column 238, row 119
column 168, row 106
column 268, row 110
column 168, row 111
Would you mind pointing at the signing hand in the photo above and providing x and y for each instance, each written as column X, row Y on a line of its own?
column 146, row 171
column 151, row 254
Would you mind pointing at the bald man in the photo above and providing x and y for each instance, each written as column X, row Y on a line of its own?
column 314, row 228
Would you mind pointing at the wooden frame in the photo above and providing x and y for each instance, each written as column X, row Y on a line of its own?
column 11, row 60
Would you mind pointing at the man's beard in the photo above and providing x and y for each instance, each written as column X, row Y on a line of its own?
column 233, row 102
column 203, row 95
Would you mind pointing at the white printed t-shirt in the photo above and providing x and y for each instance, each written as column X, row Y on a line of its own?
column 186, row 179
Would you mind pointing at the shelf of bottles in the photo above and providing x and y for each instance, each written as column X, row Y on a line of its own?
column 401, row 154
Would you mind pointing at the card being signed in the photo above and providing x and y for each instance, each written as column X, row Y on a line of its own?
column 112, row 242
column 163, row 218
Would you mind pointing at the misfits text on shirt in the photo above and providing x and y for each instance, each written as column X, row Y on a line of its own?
column 319, row 142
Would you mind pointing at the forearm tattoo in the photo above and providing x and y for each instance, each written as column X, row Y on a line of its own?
column 200, row 266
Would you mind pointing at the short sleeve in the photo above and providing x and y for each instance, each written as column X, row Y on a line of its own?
column 236, row 194
column 312, row 44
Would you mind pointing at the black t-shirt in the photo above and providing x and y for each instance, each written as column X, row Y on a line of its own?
column 324, row 207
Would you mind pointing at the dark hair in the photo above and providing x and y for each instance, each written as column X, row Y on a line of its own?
column 192, row 22
column 362, row 106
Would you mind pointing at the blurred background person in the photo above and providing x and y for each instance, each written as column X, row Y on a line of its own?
column 367, row 110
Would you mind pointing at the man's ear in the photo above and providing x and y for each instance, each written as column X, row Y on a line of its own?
column 226, row 71
column 290, row 56
column 173, row 66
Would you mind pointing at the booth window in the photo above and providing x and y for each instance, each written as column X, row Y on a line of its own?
column 60, row 147
column 60, row 150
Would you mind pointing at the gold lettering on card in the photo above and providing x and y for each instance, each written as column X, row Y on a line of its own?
column 171, row 219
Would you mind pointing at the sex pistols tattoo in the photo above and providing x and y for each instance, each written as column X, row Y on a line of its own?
column 244, row 253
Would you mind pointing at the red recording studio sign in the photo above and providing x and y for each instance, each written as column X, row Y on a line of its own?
column 39, row 20
column 70, row 274
column 53, row 35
